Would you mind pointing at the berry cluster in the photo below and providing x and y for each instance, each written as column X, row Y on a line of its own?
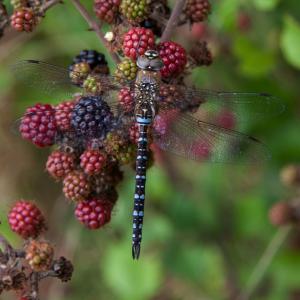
column 91, row 147
column 25, row 15
column 137, row 24
column 23, row 269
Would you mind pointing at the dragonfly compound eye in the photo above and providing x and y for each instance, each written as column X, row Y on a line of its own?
column 156, row 64
column 143, row 62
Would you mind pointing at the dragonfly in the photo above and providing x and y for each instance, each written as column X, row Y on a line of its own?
column 181, row 122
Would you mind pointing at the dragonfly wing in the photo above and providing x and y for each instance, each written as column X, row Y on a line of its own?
column 44, row 77
column 243, row 107
column 54, row 80
column 184, row 135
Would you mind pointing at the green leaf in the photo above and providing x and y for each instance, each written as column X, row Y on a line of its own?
column 224, row 14
column 265, row 4
column 290, row 41
column 253, row 61
column 131, row 279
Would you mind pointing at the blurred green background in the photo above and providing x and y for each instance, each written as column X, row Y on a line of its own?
column 207, row 225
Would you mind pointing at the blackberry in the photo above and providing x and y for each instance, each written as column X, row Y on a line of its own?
column 126, row 99
column 92, row 161
column 135, row 10
column 92, row 85
column 63, row 114
column 92, row 117
column 197, row 10
column 79, row 72
column 107, row 10
column 94, row 213
column 126, row 70
column 23, row 19
column 26, row 219
column 95, row 60
column 76, row 186
column 153, row 25
column 137, row 41
column 168, row 93
column 174, row 58
column 119, row 148
column 60, row 163
column 39, row 255
column 38, row 125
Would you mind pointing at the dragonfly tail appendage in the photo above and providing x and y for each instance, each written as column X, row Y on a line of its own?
column 139, row 196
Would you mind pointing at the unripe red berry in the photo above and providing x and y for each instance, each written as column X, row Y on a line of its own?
column 92, row 161
column 197, row 10
column 107, row 10
column 126, row 99
column 76, row 186
column 26, row 219
column 63, row 113
column 38, row 125
column 174, row 58
column 136, row 41
column 60, row 163
column 23, row 19
column 94, row 213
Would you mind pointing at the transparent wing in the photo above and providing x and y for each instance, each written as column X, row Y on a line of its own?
column 243, row 107
column 54, row 80
column 186, row 136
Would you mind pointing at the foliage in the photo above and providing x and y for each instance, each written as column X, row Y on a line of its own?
column 204, row 232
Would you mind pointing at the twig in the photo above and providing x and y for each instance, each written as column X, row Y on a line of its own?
column 94, row 26
column 264, row 262
column 49, row 4
column 173, row 20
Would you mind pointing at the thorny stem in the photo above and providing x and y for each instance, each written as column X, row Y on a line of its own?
column 173, row 20
column 264, row 262
column 49, row 4
column 94, row 25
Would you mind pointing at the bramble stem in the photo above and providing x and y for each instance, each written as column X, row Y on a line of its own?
column 93, row 25
column 173, row 20
column 49, row 4
column 264, row 262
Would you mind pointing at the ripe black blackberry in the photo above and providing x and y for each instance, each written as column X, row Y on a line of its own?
column 92, row 117
column 153, row 25
column 95, row 59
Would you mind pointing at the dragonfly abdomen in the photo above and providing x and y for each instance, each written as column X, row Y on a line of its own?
column 139, row 196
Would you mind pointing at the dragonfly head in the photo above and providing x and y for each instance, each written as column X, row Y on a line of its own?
column 150, row 61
